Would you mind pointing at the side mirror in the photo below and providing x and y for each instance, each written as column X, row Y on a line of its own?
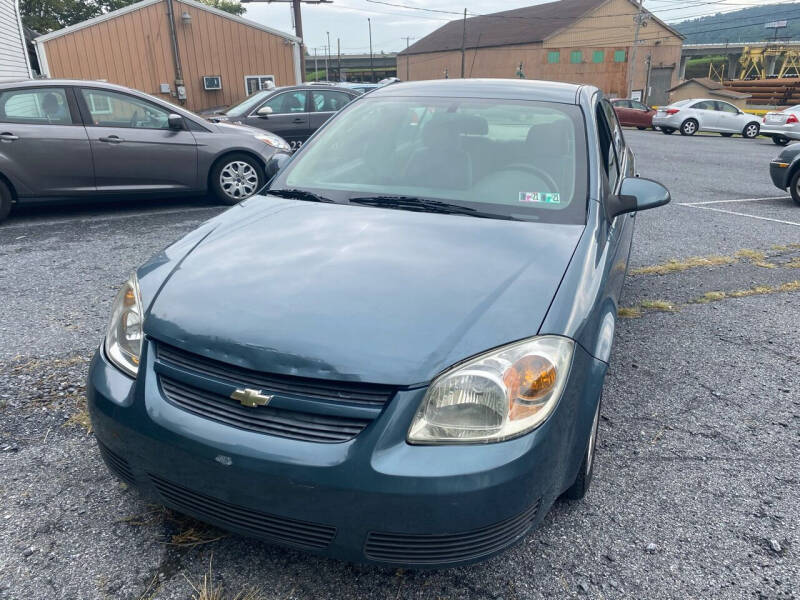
column 264, row 111
column 175, row 121
column 637, row 194
column 276, row 162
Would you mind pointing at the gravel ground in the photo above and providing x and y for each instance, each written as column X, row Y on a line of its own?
column 696, row 486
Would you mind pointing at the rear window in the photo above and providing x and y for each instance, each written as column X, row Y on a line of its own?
column 520, row 159
column 35, row 106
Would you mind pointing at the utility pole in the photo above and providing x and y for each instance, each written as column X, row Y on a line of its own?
column 464, row 42
column 408, row 58
column 339, row 60
column 371, row 66
column 298, row 25
column 639, row 19
column 327, row 55
column 315, row 64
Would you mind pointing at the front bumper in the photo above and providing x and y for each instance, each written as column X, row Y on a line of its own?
column 374, row 498
column 779, row 172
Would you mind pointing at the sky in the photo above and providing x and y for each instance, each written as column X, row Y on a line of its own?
column 347, row 19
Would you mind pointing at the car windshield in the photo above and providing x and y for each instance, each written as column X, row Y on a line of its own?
column 509, row 158
column 247, row 105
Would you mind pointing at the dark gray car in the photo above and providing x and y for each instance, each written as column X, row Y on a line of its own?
column 66, row 139
column 293, row 112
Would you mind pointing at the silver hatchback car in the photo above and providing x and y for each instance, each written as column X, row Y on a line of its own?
column 704, row 114
column 81, row 139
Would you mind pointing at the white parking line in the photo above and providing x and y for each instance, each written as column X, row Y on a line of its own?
column 739, row 214
column 96, row 219
column 735, row 200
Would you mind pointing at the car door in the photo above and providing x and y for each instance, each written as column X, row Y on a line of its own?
column 623, row 110
column 289, row 116
column 133, row 147
column 641, row 114
column 44, row 147
column 706, row 114
column 325, row 104
column 730, row 120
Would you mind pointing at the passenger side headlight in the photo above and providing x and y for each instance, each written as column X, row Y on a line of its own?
column 123, row 343
column 495, row 396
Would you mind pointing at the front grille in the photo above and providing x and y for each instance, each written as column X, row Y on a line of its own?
column 449, row 547
column 368, row 394
column 262, row 419
column 301, row 534
column 116, row 464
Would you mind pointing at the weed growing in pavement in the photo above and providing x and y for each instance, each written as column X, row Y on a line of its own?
column 659, row 305
column 674, row 266
column 629, row 312
column 80, row 416
column 206, row 590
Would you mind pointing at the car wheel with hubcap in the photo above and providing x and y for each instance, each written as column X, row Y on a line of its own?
column 751, row 130
column 780, row 140
column 667, row 131
column 578, row 489
column 236, row 177
column 689, row 127
column 794, row 187
column 6, row 199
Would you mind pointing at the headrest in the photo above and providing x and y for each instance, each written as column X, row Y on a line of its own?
column 550, row 138
column 444, row 128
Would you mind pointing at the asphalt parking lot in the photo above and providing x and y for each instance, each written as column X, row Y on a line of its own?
column 696, row 491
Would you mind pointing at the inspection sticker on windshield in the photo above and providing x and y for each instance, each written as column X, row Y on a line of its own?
column 543, row 197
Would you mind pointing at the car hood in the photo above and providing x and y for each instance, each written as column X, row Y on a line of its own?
column 357, row 293
column 237, row 128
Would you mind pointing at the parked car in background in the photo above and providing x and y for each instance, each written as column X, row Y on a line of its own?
column 693, row 115
column 298, row 370
column 292, row 112
column 83, row 139
column 360, row 87
column 632, row 113
column 782, row 125
column 785, row 171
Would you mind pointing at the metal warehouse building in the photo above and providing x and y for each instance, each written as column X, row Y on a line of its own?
column 577, row 41
column 180, row 50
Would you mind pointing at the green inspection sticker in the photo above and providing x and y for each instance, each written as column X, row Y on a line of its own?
column 540, row 197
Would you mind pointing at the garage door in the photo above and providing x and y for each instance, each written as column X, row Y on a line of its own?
column 660, row 82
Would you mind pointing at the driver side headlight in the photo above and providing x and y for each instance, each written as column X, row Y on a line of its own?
column 123, row 344
column 496, row 396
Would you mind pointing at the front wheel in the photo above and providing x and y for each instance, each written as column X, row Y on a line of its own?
column 689, row 127
column 780, row 140
column 751, row 130
column 235, row 177
column 667, row 131
column 578, row 489
column 794, row 187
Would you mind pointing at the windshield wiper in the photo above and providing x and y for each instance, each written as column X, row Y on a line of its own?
column 415, row 204
column 297, row 194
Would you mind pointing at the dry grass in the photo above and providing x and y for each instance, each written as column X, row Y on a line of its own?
column 196, row 536
column 758, row 290
column 80, row 417
column 629, row 312
column 675, row 266
column 793, row 264
column 206, row 590
column 658, row 305
column 154, row 516
column 153, row 587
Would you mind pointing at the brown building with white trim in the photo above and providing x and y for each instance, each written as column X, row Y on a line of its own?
column 180, row 50
column 576, row 41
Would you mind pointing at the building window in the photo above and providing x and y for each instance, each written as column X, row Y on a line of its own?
column 554, row 57
column 619, row 56
column 576, row 56
column 598, row 56
column 256, row 83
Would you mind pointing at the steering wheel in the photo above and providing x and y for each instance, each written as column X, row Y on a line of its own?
column 541, row 174
column 134, row 118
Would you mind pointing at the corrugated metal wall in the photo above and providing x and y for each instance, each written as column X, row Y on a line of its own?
column 13, row 54
column 134, row 49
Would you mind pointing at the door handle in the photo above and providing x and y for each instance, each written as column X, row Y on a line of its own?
column 111, row 139
column 8, row 137
column 299, row 120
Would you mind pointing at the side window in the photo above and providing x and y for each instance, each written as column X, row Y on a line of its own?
column 35, row 106
column 705, row 105
column 328, row 100
column 728, row 108
column 112, row 109
column 287, row 103
column 638, row 105
column 607, row 150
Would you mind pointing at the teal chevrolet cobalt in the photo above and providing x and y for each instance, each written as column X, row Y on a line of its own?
column 396, row 352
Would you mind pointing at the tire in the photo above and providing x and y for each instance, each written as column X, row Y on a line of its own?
column 689, row 127
column 235, row 177
column 584, row 478
column 779, row 140
column 6, row 199
column 794, row 187
column 726, row 134
column 640, row 128
column 751, row 130
column 667, row 131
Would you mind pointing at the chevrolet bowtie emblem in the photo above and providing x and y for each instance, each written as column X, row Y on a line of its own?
column 251, row 398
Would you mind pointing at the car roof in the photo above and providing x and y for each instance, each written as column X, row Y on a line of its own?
column 518, row 89
column 53, row 82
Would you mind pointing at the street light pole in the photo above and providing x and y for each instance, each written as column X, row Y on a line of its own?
column 327, row 55
column 371, row 66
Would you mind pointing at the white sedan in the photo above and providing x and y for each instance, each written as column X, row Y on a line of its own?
column 782, row 125
column 691, row 116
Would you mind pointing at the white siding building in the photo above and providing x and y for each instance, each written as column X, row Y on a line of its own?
column 13, row 53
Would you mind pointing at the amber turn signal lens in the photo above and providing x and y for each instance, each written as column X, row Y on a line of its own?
column 528, row 380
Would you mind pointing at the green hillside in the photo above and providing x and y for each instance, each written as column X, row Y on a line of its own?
column 746, row 25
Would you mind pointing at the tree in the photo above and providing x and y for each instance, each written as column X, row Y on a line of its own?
column 44, row 16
